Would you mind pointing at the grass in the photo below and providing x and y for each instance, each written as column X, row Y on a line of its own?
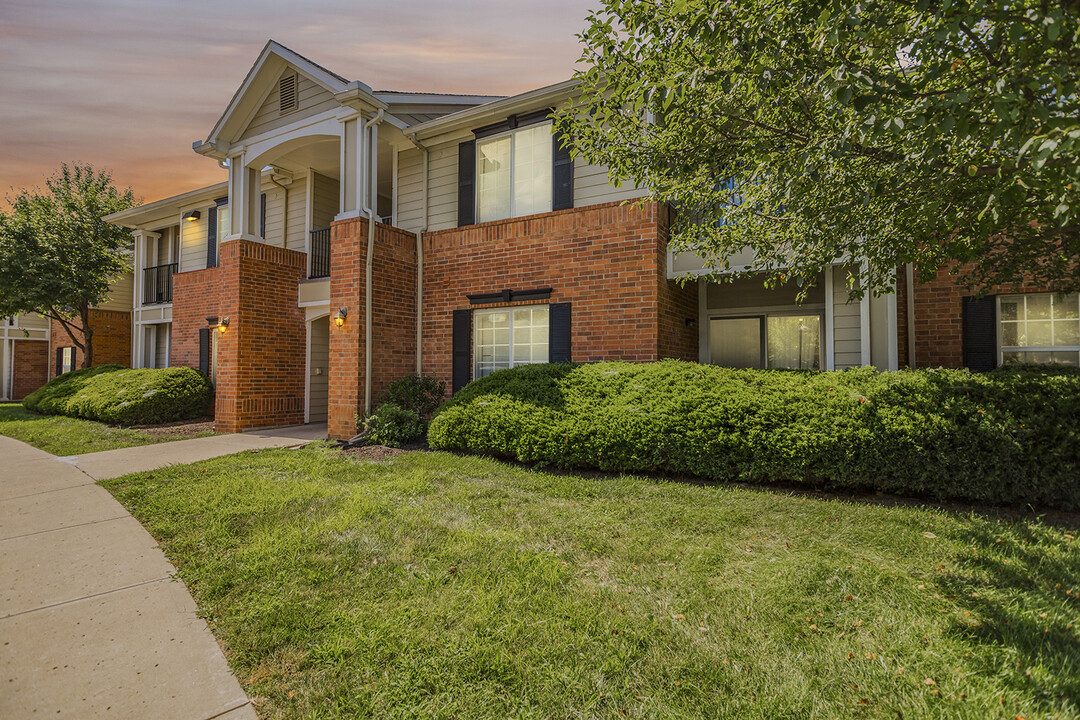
column 433, row 585
column 65, row 436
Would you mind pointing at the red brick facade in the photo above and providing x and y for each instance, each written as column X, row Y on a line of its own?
column 195, row 298
column 608, row 261
column 111, row 340
column 30, row 367
column 261, row 358
column 939, row 318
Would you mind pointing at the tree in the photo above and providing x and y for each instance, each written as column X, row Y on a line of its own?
column 57, row 256
column 940, row 132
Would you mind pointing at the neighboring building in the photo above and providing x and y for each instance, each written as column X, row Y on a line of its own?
column 490, row 248
column 111, row 322
column 24, row 355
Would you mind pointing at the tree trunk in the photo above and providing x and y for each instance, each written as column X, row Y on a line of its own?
column 88, row 339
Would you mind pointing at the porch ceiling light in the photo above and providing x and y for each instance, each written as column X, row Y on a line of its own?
column 339, row 319
column 192, row 215
column 223, row 325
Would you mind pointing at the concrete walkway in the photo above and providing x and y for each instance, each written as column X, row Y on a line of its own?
column 92, row 624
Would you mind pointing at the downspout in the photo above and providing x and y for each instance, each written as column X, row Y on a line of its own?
column 284, row 213
column 420, row 260
column 373, row 181
column 909, row 279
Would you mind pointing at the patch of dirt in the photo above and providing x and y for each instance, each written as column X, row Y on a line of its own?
column 184, row 429
column 373, row 452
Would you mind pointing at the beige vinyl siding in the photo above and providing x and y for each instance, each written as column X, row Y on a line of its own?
column 318, row 376
column 275, row 197
column 161, row 350
column 30, row 322
column 593, row 187
column 121, row 294
column 847, row 325
column 314, row 99
column 193, row 242
column 326, row 197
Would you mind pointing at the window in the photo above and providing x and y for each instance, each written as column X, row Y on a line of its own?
column 766, row 341
column 513, row 174
column 1041, row 328
column 509, row 337
column 66, row 360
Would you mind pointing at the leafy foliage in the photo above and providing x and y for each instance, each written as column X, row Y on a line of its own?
column 402, row 414
column 57, row 256
column 392, row 426
column 117, row 395
column 1009, row 436
column 939, row 133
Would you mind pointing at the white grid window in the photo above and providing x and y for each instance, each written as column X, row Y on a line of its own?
column 509, row 337
column 513, row 174
column 1040, row 328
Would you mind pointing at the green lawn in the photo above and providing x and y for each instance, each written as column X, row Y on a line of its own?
column 439, row 586
column 67, row 436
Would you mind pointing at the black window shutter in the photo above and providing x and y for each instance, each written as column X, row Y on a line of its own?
column 559, row 333
column 59, row 361
column 562, row 175
column 462, row 349
column 204, row 350
column 262, row 216
column 211, row 237
column 466, row 200
column 979, row 334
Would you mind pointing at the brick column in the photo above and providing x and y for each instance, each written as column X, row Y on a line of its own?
column 393, row 320
column 261, row 358
column 30, row 367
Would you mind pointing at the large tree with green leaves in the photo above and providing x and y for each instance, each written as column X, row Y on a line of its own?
column 943, row 133
column 57, row 256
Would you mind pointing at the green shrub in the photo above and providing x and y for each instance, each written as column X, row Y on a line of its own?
column 419, row 395
column 1009, row 436
column 117, row 395
column 392, row 426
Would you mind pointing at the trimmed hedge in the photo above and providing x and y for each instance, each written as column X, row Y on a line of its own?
column 1009, row 436
column 120, row 396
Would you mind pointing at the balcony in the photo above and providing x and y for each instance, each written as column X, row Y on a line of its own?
column 320, row 254
column 157, row 284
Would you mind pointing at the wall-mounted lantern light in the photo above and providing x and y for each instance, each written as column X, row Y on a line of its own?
column 223, row 325
column 339, row 319
column 192, row 215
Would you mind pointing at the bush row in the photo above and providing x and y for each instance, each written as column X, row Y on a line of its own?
column 117, row 395
column 1009, row 436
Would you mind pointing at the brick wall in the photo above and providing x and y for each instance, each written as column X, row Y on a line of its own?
column 393, row 317
column 609, row 261
column 111, row 339
column 261, row 359
column 195, row 298
column 30, row 367
column 939, row 317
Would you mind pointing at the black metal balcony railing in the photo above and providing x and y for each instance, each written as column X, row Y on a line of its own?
column 157, row 284
column 320, row 253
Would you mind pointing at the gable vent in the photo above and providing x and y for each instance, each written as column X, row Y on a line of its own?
column 288, row 100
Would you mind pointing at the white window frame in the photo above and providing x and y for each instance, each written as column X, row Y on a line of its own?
column 510, row 311
column 765, row 313
column 999, row 324
column 513, row 152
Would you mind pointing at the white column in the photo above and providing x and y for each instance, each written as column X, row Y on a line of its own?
column 354, row 186
column 144, row 240
column 864, row 314
column 5, row 366
column 243, row 200
column 830, row 321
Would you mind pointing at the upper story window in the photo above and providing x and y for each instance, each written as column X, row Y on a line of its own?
column 1041, row 328
column 513, row 173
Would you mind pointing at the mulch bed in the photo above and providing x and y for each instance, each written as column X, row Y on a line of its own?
column 185, row 428
column 372, row 452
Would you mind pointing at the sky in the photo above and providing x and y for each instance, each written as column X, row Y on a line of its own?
column 128, row 85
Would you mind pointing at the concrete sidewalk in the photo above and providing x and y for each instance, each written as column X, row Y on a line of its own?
column 92, row 622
